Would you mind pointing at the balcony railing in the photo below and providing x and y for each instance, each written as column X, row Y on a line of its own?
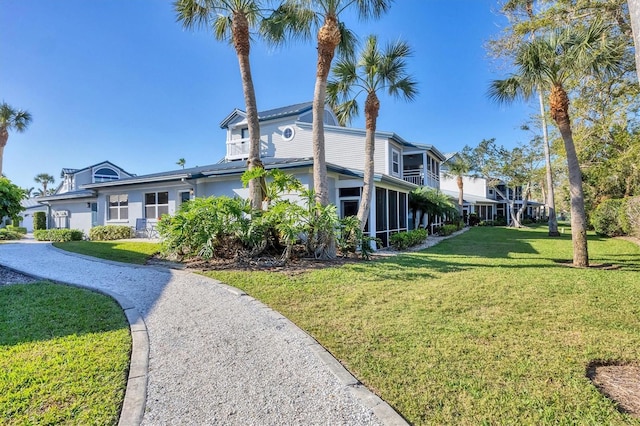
column 418, row 177
column 238, row 149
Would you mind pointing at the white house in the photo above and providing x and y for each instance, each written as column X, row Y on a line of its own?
column 105, row 194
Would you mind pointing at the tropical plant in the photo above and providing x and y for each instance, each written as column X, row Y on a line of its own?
column 11, row 119
column 44, row 179
column 374, row 71
column 431, row 202
column 233, row 20
column 28, row 192
column 299, row 18
column 547, row 63
column 10, row 197
column 458, row 166
column 181, row 162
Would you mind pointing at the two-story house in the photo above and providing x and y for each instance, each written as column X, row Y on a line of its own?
column 485, row 198
column 113, row 196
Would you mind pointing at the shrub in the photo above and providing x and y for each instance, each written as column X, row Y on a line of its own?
column 110, row 232
column 500, row 221
column 404, row 240
column 446, row 230
column 39, row 220
column 58, row 235
column 350, row 238
column 486, row 223
column 474, row 220
column 9, row 234
column 605, row 219
column 18, row 229
column 208, row 227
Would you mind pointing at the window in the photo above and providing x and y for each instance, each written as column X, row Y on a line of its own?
column 288, row 133
column 395, row 162
column 105, row 175
column 244, row 133
column 118, row 207
column 156, row 204
column 350, row 192
column 185, row 196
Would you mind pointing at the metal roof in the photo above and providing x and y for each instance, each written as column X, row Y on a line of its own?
column 271, row 114
column 83, row 193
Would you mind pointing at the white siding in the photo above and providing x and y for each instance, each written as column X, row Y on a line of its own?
column 471, row 186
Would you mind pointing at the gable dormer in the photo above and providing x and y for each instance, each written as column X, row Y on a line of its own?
column 279, row 121
column 73, row 179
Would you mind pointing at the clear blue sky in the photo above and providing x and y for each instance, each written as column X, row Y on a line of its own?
column 122, row 81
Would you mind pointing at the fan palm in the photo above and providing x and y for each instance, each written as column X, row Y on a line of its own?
column 457, row 167
column 44, row 179
column 300, row 17
column 11, row 119
column 375, row 70
column 233, row 20
column 547, row 63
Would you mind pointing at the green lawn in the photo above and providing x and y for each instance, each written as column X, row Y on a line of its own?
column 121, row 251
column 64, row 356
column 490, row 327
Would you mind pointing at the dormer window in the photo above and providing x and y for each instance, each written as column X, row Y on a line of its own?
column 105, row 174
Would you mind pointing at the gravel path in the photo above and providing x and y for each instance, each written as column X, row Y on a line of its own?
column 216, row 355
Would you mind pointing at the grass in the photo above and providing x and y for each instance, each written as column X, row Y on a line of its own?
column 490, row 327
column 121, row 251
column 64, row 356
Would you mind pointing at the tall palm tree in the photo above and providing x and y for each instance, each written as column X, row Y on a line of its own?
column 11, row 119
column 375, row 70
column 300, row 17
column 44, row 179
column 458, row 166
column 233, row 20
column 181, row 162
column 527, row 5
column 548, row 63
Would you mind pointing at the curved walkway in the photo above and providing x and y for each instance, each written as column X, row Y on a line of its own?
column 215, row 355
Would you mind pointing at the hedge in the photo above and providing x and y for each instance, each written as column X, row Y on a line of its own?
column 19, row 229
column 39, row 220
column 58, row 235
column 9, row 234
column 110, row 232
column 404, row 240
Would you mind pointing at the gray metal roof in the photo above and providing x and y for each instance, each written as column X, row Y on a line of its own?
column 73, row 171
column 83, row 193
column 271, row 114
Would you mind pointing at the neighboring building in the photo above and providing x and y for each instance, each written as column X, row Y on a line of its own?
column 105, row 194
column 482, row 199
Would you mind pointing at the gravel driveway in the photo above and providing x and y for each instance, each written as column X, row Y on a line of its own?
column 216, row 355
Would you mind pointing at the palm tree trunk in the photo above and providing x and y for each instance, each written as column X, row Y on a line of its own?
column 241, row 43
column 371, row 109
column 460, row 196
column 328, row 40
column 550, row 196
column 4, row 137
column 559, row 102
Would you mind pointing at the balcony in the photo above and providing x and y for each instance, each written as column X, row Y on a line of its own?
column 418, row 177
column 238, row 149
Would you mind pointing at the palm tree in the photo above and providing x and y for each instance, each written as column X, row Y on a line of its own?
column 299, row 17
column 233, row 20
column 527, row 5
column 181, row 162
column 376, row 70
column 458, row 166
column 11, row 119
column 547, row 63
column 44, row 179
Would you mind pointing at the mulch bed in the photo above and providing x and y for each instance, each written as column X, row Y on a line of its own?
column 619, row 382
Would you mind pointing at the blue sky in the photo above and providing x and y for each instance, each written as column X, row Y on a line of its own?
column 121, row 81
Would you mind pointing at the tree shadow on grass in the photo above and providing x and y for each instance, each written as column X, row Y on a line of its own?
column 44, row 311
